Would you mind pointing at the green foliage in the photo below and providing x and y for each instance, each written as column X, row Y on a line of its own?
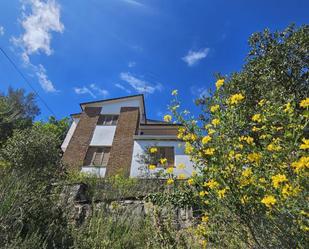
column 17, row 111
column 250, row 145
column 29, row 217
column 106, row 230
column 32, row 149
column 58, row 127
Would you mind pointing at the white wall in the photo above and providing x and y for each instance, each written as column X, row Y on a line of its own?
column 180, row 157
column 103, row 135
column 69, row 134
column 96, row 171
column 114, row 108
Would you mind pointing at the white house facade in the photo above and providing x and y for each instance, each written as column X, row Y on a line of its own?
column 109, row 136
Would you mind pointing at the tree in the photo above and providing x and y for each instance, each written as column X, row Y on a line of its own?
column 251, row 144
column 33, row 149
column 17, row 111
column 58, row 127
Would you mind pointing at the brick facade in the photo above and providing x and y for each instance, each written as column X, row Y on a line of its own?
column 122, row 147
column 77, row 148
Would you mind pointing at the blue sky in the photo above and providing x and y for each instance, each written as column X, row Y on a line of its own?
column 77, row 51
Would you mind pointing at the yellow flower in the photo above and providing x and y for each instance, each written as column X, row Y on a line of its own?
column 302, row 163
column 257, row 118
column 214, row 108
column 219, row 83
column 174, row 92
column 261, row 102
column 221, row 193
column 269, row 201
column 206, row 139
column 288, row 190
column 215, row 122
column 238, row 156
column 288, row 108
column 254, row 157
column 153, row 150
column 240, row 146
column 190, row 137
column 202, row 193
column 235, row 99
column 211, row 131
column 152, row 166
column 277, row 179
column 254, row 128
column 211, row 184
column 167, row 118
column 305, row 144
column 190, row 181
column 244, row 199
column 209, row 151
column 205, row 218
column 163, row 160
column 181, row 166
column 181, row 131
column 188, row 148
column 248, row 139
column 181, row 176
column 247, row 172
column 273, row 147
column 304, row 103
column 170, row 170
column 170, row 181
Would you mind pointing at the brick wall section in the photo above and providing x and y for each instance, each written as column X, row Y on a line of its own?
column 122, row 147
column 77, row 148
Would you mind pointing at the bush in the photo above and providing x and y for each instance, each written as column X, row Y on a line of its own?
column 250, row 146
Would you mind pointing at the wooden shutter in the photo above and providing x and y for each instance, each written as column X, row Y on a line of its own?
column 97, row 157
column 168, row 153
column 115, row 119
column 106, row 156
column 89, row 155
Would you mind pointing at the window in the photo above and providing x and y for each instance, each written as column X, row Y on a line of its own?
column 108, row 120
column 168, row 153
column 97, row 156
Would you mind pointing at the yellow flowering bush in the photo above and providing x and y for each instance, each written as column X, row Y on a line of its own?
column 254, row 164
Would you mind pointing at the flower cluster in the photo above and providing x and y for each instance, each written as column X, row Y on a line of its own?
column 255, row 161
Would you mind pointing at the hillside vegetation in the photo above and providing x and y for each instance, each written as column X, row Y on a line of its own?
column 249, row 145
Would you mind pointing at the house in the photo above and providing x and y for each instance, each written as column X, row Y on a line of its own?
column 108, row 137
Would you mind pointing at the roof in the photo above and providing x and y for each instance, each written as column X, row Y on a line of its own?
column 150, row 122
column 113, row 99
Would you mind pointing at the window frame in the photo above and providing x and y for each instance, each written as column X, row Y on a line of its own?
column 159, row 156
column 105, row 150
column 103, row 120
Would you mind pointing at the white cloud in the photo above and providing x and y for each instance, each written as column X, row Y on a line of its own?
column 134, row 3
column 131, row 64
column 38, row 25
column 122, row 88
column 1, row 30
column 141, row 86
column 45, row 83
column 93, row 90
column 199, row 91
column 43, row 19
column 84, row 90
column 193, row 57
column 99, row 91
